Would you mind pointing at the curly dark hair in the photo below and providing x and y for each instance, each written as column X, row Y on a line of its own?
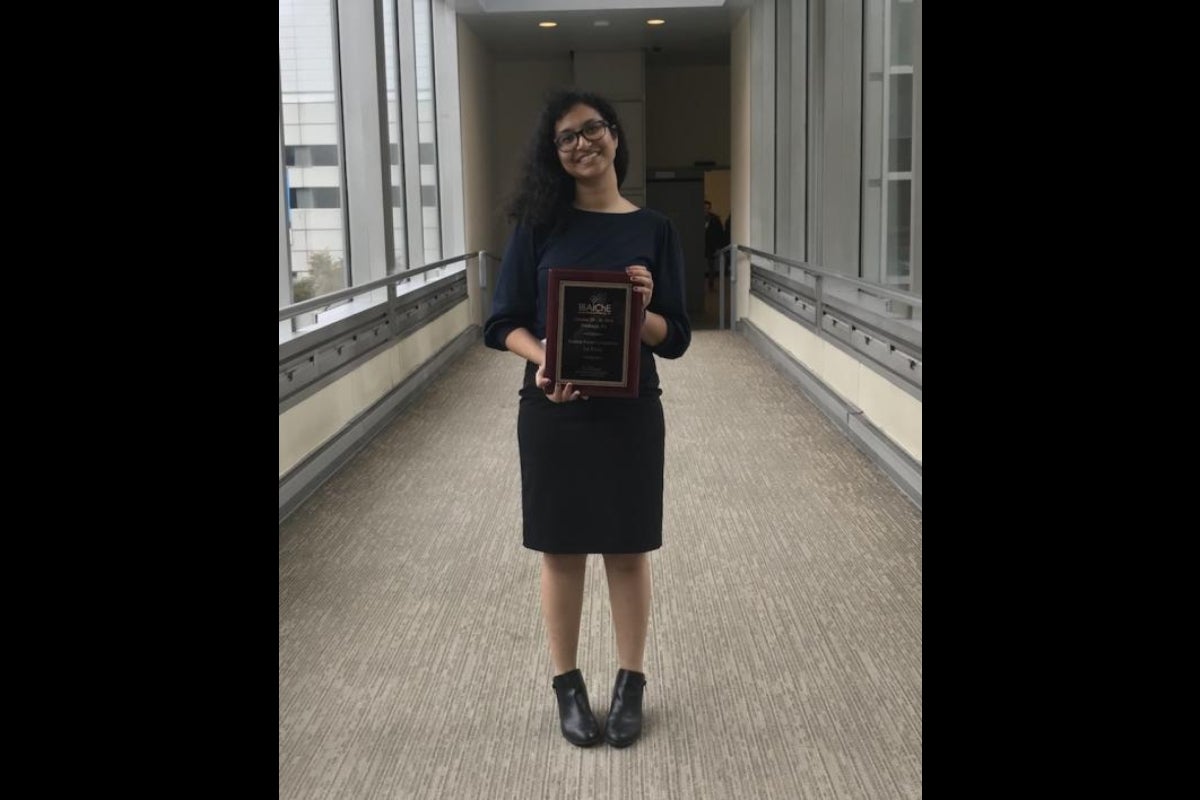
column 546, row 192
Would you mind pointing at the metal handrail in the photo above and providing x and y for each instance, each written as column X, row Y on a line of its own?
column 725, row 257
column 874, row 288
column 312, row 304
column 483, row 256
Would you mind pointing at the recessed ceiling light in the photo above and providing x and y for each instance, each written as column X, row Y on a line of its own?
column 547, row 24
column 656, row 22
column 601, row 23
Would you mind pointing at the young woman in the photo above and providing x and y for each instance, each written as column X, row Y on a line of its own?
column 591, row 468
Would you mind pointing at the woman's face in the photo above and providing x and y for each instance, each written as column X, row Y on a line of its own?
column 585, row 159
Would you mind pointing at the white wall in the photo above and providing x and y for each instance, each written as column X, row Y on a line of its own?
column 518, row 91
column 620, row 78
column 310, row 423
column 476, row 114
column 888, row 407
column 476, row 111
column 687, row 115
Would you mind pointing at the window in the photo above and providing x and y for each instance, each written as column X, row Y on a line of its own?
column 312, row 145
column 395, row 127
column 315, row 197
column 427, row 129
column 338, row 94
column 318, row 155
column 888, row 142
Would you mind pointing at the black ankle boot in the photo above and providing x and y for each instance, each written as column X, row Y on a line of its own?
column 624, row 724
column 579, row 725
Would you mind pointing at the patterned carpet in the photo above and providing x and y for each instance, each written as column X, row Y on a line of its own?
column 784, row 653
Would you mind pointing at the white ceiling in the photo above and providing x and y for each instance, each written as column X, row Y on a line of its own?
column 697, row 35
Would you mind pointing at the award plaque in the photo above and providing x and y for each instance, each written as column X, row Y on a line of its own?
column 594, row 331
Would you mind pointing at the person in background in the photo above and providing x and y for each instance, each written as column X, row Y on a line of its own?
column 714, row 240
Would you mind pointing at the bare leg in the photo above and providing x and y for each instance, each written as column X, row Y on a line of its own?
column 629, row 595
column 562, row 606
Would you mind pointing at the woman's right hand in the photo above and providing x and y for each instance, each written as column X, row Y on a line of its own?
column 562, row 393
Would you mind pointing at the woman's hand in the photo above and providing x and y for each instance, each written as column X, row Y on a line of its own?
column 643, row 283
column 562, row 393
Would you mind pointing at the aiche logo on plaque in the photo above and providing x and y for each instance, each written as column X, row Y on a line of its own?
column 597, row 304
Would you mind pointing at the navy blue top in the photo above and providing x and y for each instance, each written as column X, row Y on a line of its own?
column 593, row 240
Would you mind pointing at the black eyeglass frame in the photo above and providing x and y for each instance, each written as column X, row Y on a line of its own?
column 597, row 126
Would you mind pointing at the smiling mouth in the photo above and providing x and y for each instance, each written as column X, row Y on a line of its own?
column 587, row 157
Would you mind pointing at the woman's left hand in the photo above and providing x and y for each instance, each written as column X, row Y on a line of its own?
column 643, row 283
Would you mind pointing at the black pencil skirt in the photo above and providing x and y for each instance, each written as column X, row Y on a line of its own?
column 591, row 472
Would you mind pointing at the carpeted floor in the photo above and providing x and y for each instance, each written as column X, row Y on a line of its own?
column 784, row 653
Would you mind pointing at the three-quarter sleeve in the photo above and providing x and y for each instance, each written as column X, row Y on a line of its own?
column 668, row 298
column 514, row 305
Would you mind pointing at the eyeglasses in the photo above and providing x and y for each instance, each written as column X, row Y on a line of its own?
column 593, row 132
